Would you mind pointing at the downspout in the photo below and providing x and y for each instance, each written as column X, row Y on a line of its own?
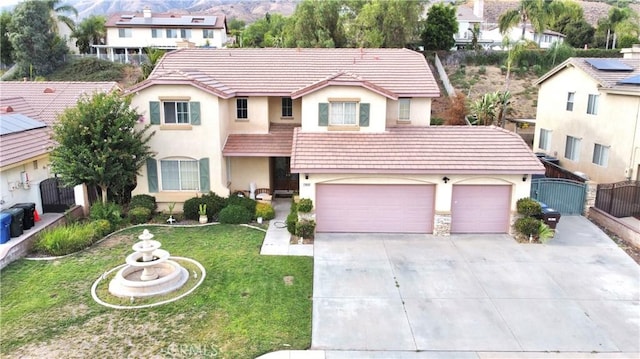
column 634, row 149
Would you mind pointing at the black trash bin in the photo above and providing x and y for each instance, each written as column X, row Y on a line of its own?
column 549, row 216
column 15, row 229
column 28, row 220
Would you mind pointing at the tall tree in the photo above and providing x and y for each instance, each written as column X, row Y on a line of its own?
column 236, row 27
column 98, row 143
column 386, row 23
column 579, row 33
column 91, row 31
column 61, row 13
column 620, row 23
column 440, row 27
column 36, row 49
column 266, row 32
column 6, row 50
column 316, row 23
column 562, row 13
column 534, row 12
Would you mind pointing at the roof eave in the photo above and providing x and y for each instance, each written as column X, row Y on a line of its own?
column 419, row 171
column 152, row 82
column 255, row 154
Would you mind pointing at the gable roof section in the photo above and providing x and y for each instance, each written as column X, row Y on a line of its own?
column 415, row 150
column 276, row 143
column 283, row 72
column 22, row 138
column 48, row 99
column 606, row 79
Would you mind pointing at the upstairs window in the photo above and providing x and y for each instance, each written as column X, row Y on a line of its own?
column 600, row 155
column 185, row 33
column 570, row 97
column 207, row 34
column 343, row 113
column 156, row 33
column 172, row 34
column 572, row 148
column 124, row 32
column 176, row 112
column 287, row 107
column 242, row 108
column 592, row 105
column 404, row 109
column 545, row 139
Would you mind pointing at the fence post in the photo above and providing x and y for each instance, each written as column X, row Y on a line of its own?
column 591, row 189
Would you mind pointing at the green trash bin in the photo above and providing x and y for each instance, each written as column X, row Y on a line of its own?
column 17, row 214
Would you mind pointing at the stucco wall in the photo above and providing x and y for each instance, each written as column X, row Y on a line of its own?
column 616, row 125
column 258, row 116
column 520, row 189
column 275, row 111
column 13, row 191
column 419, row 112
column 377, row 111
column 141, row 37
column 245, row 170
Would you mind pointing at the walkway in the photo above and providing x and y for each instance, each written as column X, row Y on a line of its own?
column 276, row 241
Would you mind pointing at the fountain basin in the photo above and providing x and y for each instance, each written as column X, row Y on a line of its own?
column 128, row 282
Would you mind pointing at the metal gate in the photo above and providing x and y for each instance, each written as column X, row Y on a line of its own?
column 55, row 197
column 565, row 196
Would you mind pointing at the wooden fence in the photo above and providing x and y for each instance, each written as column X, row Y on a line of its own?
column 621, row 199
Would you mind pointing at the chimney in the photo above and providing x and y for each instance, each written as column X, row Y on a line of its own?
column 146, row 12
column 478, row 8
column 631, row 53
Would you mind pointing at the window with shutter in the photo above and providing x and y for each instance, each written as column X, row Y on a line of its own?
column 323, row 114
column 152, row 175
column 364, row 114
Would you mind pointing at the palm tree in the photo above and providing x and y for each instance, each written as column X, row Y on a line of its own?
column 91, row 31
column 59, row 13
column 484, row 109
column 528, row 11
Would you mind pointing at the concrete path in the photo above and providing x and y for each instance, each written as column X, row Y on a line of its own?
column 276, row 241
column 479, row 296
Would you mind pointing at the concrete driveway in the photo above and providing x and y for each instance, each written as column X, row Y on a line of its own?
column 579, row 293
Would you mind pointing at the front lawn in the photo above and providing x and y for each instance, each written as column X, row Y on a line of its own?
column 243, row 309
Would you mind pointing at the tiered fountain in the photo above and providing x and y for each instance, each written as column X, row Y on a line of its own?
column 148, row 272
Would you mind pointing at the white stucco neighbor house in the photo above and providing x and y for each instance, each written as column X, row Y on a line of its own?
column 347, row 128
column 128, row 34
column 544, row 40
column 589, row 116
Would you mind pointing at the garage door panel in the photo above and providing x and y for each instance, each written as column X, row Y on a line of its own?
column 480, row 208
column 374, row 208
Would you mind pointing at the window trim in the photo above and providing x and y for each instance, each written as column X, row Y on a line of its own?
column 406, row 100
column 176, row 123
column 356, row 122
column 592, row 104
column 245, row 109
column 574, row 150
column 571, row 96
column 598, row 158
column 288, row 105
column 179, row 160
column 545, row 140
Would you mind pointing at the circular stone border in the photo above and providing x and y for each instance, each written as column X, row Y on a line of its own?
column 95, row 297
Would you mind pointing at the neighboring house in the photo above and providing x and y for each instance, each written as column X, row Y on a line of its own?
column 468, row 19
column 28, row 110
column 544, row 40
column 129, row 33
column 589, row 116
column 348, row 128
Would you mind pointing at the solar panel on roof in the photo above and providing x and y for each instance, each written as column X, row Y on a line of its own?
column 633, row 80
column 18, row 123
column 609, row 65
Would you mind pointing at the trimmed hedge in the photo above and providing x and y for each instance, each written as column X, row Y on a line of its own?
column 306, row 229
column 235, row 214
column 245, row 202
column 305, row 205
column 528, row 226
column 265, row 211
column 144, row 200
column 528, row 207
column 214, row 204
column 139, row 215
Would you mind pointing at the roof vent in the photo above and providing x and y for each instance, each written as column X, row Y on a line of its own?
column 49, row 90
column 6, row 109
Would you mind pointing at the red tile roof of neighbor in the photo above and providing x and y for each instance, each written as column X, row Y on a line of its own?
column 277, row 143
column 415, row 150
column 294, row 72
column 40, row 101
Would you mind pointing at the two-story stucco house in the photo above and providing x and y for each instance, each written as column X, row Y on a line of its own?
column 348, row 128
column 589, row 116
column 129, row 33
column 544, row 40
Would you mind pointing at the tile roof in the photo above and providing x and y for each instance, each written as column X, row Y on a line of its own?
column 282, row 72
column 606, row 79
column 276, row 143
column 22, row 146
column 48, row 99
column 137, row 19
column 415, row 150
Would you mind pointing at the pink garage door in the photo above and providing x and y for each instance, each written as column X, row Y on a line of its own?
column 374, row 208
column 480, row 209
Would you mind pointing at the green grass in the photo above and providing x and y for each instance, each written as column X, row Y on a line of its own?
column 243, row 308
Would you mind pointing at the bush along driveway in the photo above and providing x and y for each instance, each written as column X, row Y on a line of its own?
column 248, row 304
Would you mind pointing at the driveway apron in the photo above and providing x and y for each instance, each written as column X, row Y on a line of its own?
column 578, row 293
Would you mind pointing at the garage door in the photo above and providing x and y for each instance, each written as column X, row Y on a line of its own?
column 374, row 208
column 480, row 209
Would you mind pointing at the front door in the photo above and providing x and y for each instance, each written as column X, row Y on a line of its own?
column 283, row 179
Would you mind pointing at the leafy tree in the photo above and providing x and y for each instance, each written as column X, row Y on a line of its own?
column 36, row 50
column 579, row 33
column 98, row 143
column 6, row 49
column 440, row 27
column 563, row 13
column 236, row 27
column 316, row 23
column 390, row 23
column 91, row 31
column 266, row 32
column 154, row 55
column 534, row 12
column 620, row 22
column 60, row 13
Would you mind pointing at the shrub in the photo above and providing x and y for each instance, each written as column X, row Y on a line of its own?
column 265, row 211
column 437, row 121
column 235, row 214
column 528, row 207
column 63, row 240
column 110, row 211
column 144, row 200
column 528, row 226
column 306, row 229
column 245, row 202
column 545, row 233
column 138, row 215
column 305, row 205
column 102, row 227
column 214, row 204
column 482, row 70
column 292, row 221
